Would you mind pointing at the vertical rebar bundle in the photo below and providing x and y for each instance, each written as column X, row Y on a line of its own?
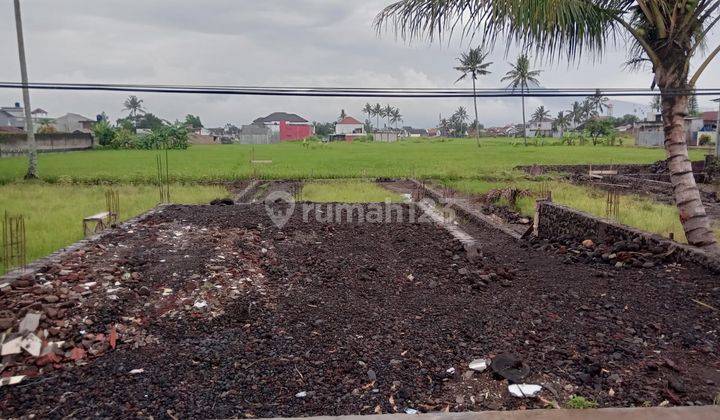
column 14, row 242
column 112, row 202
column 612, row 205
column 163, row 176
column 545, row 193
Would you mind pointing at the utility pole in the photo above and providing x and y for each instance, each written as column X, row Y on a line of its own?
column 31, row 145
column 717, row 138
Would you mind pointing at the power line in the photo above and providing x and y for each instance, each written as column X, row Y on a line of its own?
column 300, row 91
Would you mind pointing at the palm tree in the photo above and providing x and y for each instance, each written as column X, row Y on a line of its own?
column 395, row 116
column 589, row 110
column 473, row 64
column 598, row 102
column 368, row 109
column 562, row 122
column 387, row 113
column 540, row 114
column 521, row 77
column 458, row 119
column 576, row 113
column 377, row 113
column 667, row 34
column 134, row 106
column 656, row 103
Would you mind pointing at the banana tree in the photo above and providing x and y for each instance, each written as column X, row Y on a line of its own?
column 667, row 34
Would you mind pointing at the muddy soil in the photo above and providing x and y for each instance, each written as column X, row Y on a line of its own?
column 348, row 318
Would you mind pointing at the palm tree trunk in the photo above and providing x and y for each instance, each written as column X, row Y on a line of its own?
column 477, row 121
column 695, row 222
column 523, row 112
column 32, row 172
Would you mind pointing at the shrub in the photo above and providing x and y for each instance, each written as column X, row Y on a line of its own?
column 705, row 140
column 103, row 133
column 580, row 403
column 123, row 139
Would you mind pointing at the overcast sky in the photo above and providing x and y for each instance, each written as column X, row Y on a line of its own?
column 268, row 42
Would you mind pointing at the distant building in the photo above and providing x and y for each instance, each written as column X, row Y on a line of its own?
column 415, row 132
column 540, row 128
column 350, row 125
column 70, row 123
column 710, row 121
column 257, row 134
column 290, row 127
column 651, row 132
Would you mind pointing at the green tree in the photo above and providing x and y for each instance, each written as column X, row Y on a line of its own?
column 599, row 128
column 387, row 113
column 577, row 114
column 473, row 64
column 134, row 106
column 667, row 34
column 378, row 111
column 103, row 133
column 562, row 122
column 540, row 113
column 149, row 121
column 193, row 121
column 521, row 76
column 395, row 117
column 598, row 102
column 368, row 110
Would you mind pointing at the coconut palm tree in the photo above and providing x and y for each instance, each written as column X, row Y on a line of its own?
column 395, row 117
column 368, row 110
column 599, row 103
column 577, row 113
column 473, row 64
column 387, row 113
column 521, row 76
column 540, row 113
column 377, row 113
column 562, row 122
column 134, row 106
column 666, row 34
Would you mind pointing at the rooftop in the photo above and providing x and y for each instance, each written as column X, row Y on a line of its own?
column 281, row 116
column 349, row 120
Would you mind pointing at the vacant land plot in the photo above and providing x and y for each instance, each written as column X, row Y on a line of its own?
column 53, row 213
column 220, row 314
column 428, row 158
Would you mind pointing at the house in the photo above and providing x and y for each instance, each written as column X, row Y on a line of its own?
column 710, row 121
column 13, row 116
column 9, row 120
column 289, row 127
column 540, row 128
column 257, row 134
column 651, row 132
column 350, row 125
column 415, row 132
column 70, row 123
column 433, row 132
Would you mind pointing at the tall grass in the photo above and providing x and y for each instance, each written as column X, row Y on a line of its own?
column 635, row 211
column 53, row 213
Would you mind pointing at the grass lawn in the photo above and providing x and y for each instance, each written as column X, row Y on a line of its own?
column 348, row 192
column 54, row 213
column 427, row 158
column 635, row 210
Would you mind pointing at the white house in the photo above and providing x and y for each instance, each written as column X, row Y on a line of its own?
column 70, row 123
column 542, row 128
column 349, row 125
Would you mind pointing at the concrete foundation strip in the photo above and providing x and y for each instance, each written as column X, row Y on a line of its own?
column 242, row 195
column 62, row 253
column 467, row 211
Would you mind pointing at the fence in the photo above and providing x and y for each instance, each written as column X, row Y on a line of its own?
column 269, row 138
column 16, row 144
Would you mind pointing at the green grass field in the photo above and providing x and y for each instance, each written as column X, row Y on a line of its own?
column 53, row 213
column 427, row 158
column 73, row 188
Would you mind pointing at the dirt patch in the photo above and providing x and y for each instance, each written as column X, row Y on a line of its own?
column 329, row 319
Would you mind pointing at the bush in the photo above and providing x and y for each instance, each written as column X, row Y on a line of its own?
column 123, row 139
column 103, row 133
column 705, row 140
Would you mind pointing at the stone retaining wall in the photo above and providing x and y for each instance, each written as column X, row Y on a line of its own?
column 557, row 222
